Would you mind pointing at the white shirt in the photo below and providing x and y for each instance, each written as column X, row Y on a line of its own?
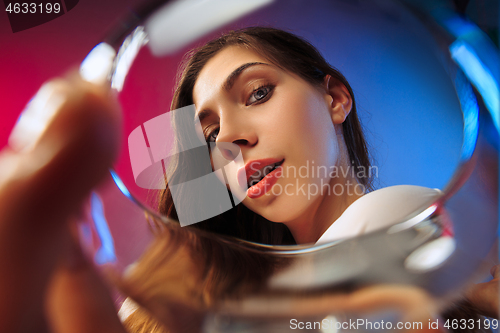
column 379, row 209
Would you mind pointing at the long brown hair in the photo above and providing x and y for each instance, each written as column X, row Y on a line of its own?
column 291, row 53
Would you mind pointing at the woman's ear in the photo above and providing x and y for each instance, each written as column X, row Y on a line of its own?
column 339, row 99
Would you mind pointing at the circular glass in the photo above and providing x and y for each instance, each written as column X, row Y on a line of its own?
column 417, row 109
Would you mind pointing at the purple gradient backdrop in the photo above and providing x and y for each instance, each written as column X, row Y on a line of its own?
column 404, row 96
column 31, row 57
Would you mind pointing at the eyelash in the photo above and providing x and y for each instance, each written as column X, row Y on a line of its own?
column 270, row 88
column 209, row 133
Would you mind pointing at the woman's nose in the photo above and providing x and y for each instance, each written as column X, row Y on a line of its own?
column 235, row 135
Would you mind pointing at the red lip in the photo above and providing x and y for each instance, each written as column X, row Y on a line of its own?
column 253, row 166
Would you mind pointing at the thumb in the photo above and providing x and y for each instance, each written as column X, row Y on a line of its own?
column 60, row 149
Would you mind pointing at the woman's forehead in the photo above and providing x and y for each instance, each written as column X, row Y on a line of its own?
column 216, row 71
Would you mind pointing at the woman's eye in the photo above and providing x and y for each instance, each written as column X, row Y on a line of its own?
column 259, row 95
column 212, row 136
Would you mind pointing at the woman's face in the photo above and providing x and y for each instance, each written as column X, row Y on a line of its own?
column 276, row 118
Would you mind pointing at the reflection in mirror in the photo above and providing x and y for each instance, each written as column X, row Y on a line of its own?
column 303, row 158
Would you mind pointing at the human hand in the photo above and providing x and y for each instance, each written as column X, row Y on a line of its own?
column 484, row 297
column 60, row 149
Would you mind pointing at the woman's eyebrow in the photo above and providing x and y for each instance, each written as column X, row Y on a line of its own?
column 234, row 75
column 228, row 84
column 201, row 115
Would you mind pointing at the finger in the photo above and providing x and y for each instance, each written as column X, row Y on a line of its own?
column 62, row 146
column 78, row 301
column 483, row 297
column 495, row 271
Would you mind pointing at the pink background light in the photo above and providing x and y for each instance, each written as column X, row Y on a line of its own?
column 29, row 58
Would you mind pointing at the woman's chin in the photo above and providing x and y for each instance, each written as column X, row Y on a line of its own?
column 277, row 209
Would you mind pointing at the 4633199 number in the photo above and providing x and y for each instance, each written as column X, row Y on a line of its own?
column 33, row 8
column 471, row 324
